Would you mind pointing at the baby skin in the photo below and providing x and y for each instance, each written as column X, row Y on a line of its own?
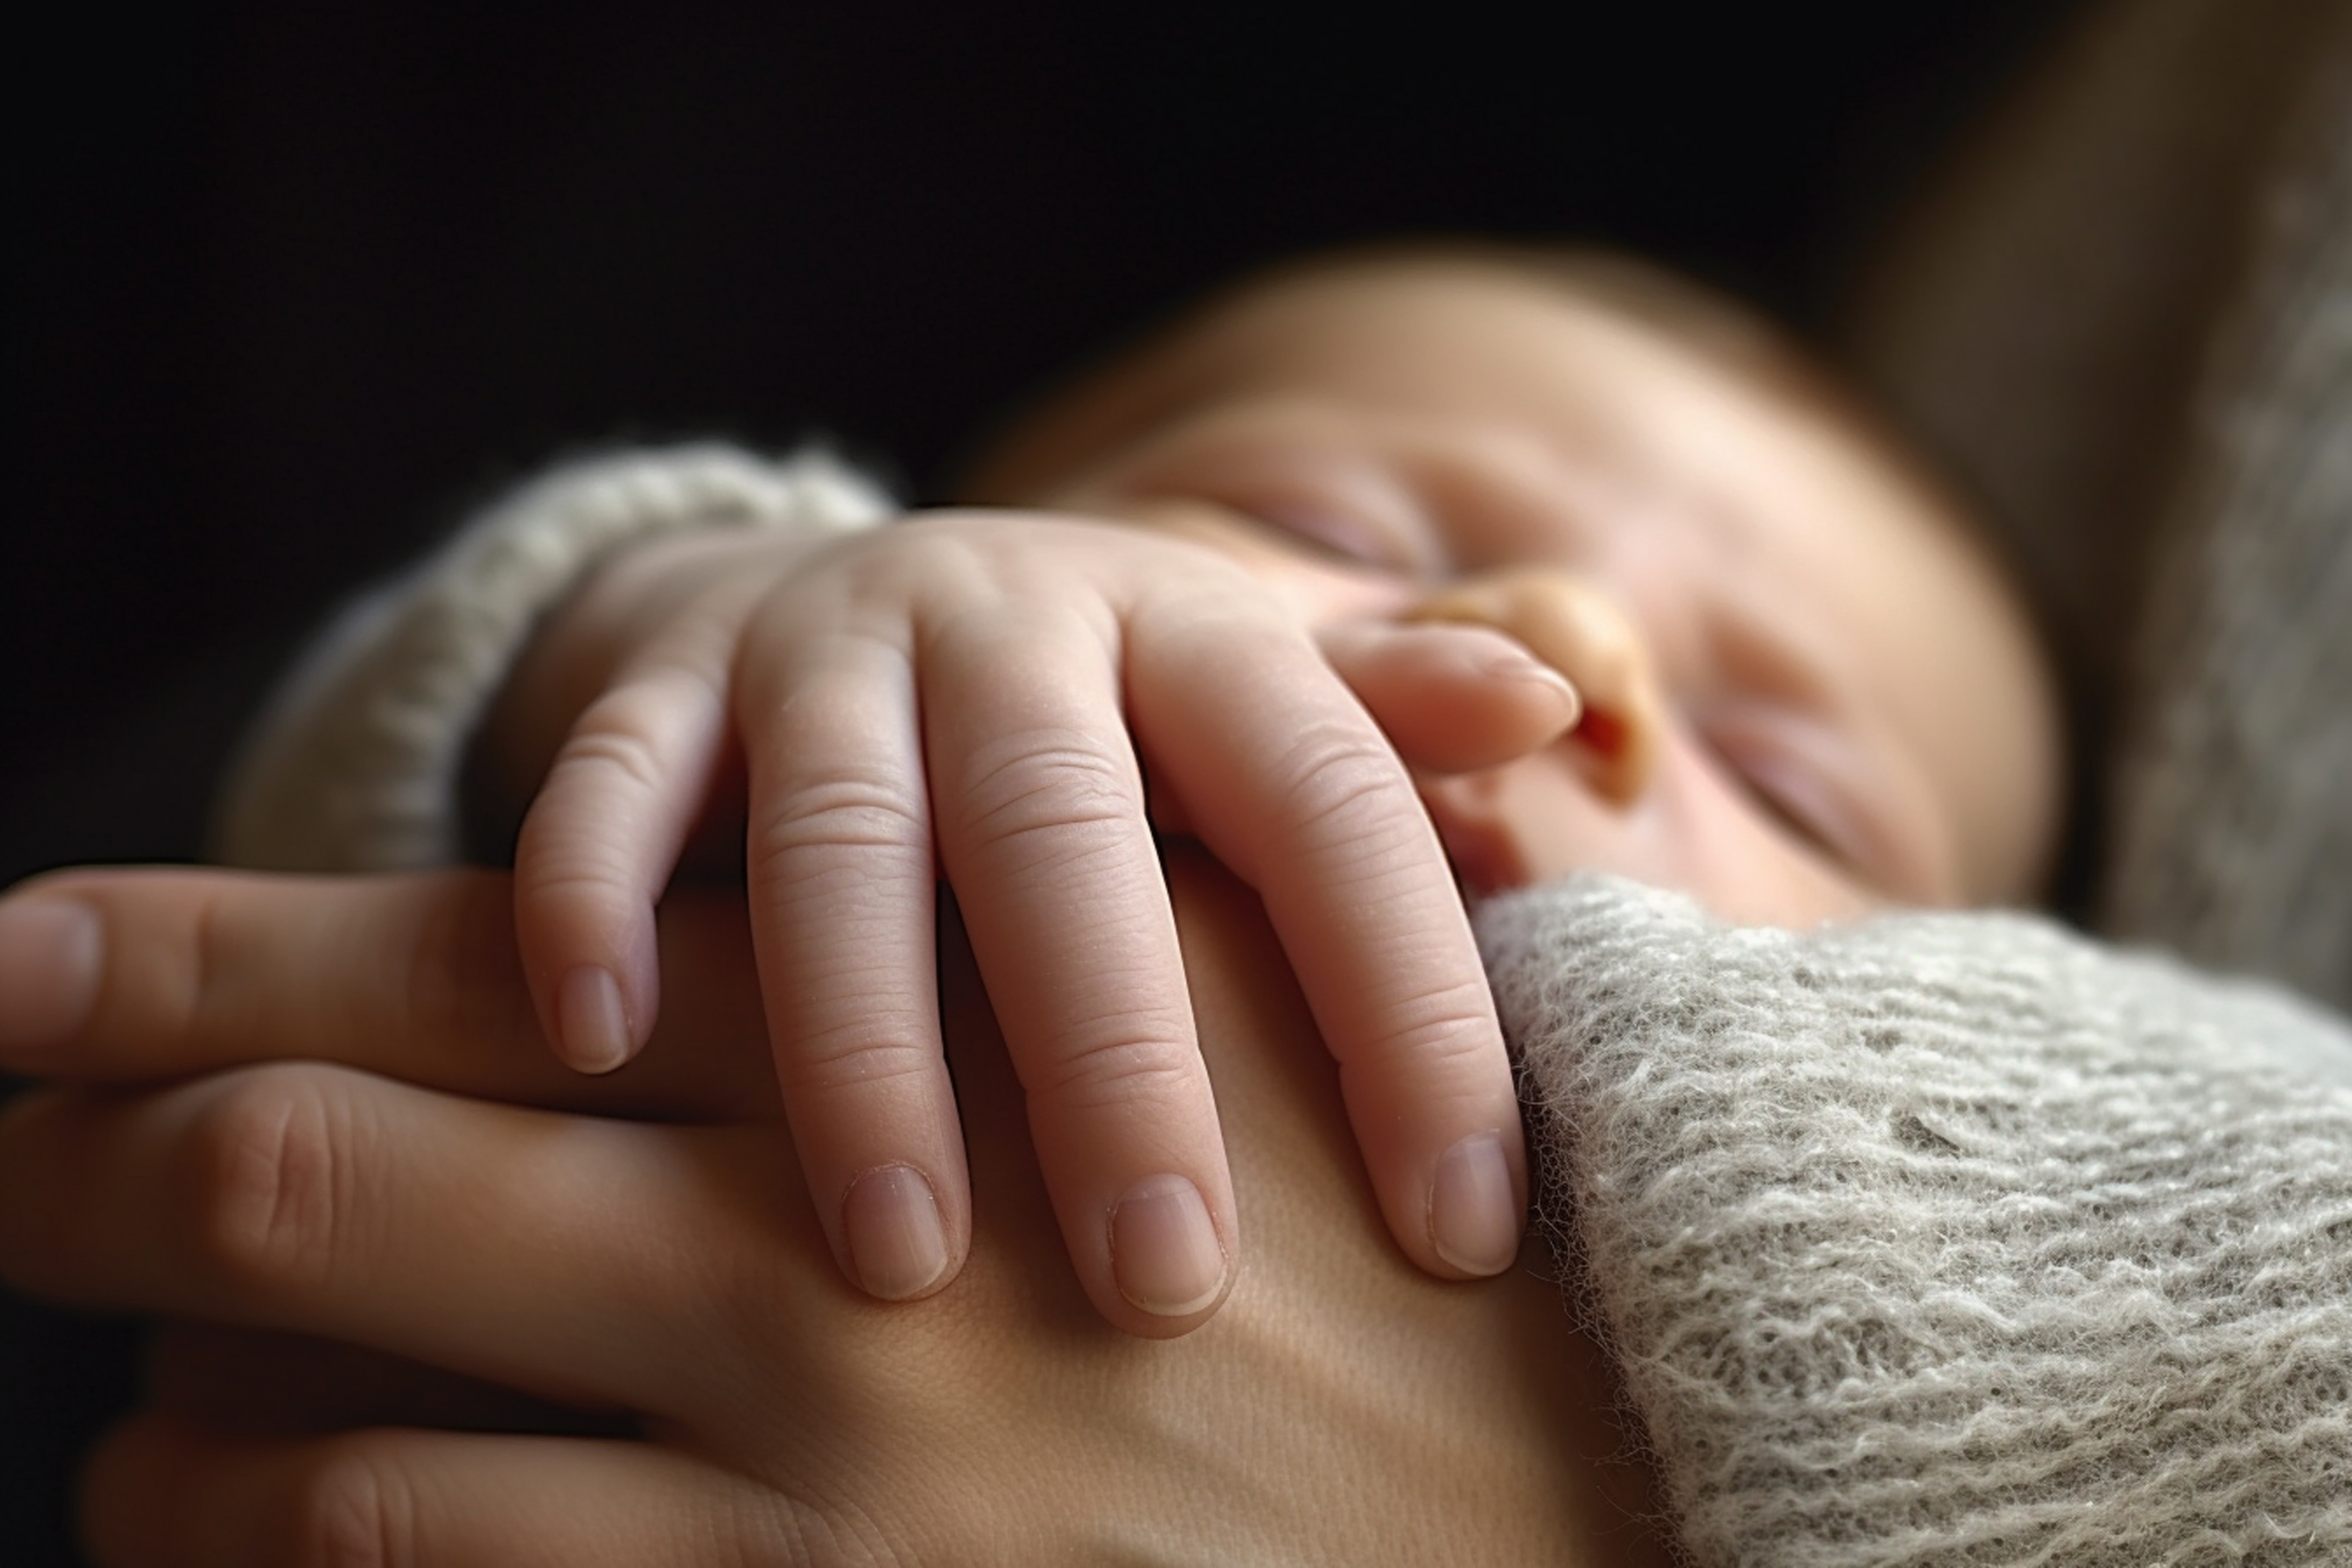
column 1391, row 578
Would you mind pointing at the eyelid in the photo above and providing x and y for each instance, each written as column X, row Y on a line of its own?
column 1350, row 506
column 1327, row 529
column 1790, row 767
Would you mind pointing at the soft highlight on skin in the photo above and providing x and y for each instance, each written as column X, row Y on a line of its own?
column 1843, row 704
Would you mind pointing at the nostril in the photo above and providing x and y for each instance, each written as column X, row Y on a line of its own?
column 1620, row 750
column 1605, row 731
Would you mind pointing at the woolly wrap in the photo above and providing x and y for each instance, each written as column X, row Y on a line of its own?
column 1947, row 1239
column 355, row 765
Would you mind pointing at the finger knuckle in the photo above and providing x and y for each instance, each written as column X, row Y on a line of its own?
column 1339, row 786
column 1120, row 1061
column 195, row 993
column 832, row 809
column 356, row 1508
column 269, row 1184
column 614, row 739
column 588, row 878
column 1439, row 1033
column 852, row 1056
column 779, row 1530
column 1054, row 797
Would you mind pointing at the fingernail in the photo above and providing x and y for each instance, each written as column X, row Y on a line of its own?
column 50, row 953
column 1528, row 668
column 1474, row 1215
column 594, row 1027
column 1163, row 1247
column 897, row 1244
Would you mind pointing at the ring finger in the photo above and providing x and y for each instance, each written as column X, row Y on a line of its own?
column 315, row 1199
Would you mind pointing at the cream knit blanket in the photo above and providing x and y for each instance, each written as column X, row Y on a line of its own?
column 1947, row 1239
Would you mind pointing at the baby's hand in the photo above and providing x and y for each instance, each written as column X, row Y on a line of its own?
column 982, row 698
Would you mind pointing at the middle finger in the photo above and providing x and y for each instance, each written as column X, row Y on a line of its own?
column 1043, row 834
column 417, row 977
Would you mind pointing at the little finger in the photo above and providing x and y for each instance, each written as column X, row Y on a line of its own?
column 1451, row 698
column 1295, row 788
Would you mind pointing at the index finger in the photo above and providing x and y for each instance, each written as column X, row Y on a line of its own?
column 1292, row 784
column 129, row 975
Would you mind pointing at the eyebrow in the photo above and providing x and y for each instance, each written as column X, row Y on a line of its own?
column 1773, row 640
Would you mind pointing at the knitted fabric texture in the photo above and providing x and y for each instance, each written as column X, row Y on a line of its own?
column 355, row 766
column 1947, row 1239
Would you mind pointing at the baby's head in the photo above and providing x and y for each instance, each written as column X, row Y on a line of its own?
column 1809, row 687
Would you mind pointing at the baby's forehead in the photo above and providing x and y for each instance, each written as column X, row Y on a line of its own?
column 1387, row 390
column 1474, row 330
column 1347, row 322
column 1404, row 300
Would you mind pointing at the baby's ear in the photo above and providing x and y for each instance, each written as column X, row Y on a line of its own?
column 1452, row 699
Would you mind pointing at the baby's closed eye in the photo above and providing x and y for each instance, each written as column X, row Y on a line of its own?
column 1802, row 775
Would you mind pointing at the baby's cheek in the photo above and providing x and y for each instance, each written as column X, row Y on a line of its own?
column 1541, row 819
column 1747, row 868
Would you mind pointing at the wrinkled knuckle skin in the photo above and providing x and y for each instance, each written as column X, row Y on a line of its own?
column 1056, row 786
column 271, row 1157
column 1343, row 785
column 199, row 989
column 855, row 1057
column 549, row 885
column 616, row 743
column 793, row 1531
column 1443, row 1035
column 355, row 1509
column 1139, row 1061
column 844, row 809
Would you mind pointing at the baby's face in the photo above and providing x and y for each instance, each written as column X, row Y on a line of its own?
column 1808, row 691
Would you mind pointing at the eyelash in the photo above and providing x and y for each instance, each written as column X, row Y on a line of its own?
column 1315, row 530
column 1778, row 809
column 1773, row 799
column 1304, row 512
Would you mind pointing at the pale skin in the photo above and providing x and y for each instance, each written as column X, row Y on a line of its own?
column 1815, row 692
column 468, row 1236
column 968, row 694
column 615, row 1346
column 1424, row 540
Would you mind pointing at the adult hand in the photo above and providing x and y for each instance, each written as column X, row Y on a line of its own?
column 1343, row 1407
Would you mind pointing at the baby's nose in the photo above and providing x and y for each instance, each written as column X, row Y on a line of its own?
column 1582, row 632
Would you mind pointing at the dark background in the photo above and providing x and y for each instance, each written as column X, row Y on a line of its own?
column 296, row 287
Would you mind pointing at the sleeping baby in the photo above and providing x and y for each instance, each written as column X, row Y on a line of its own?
column 1399, row 578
